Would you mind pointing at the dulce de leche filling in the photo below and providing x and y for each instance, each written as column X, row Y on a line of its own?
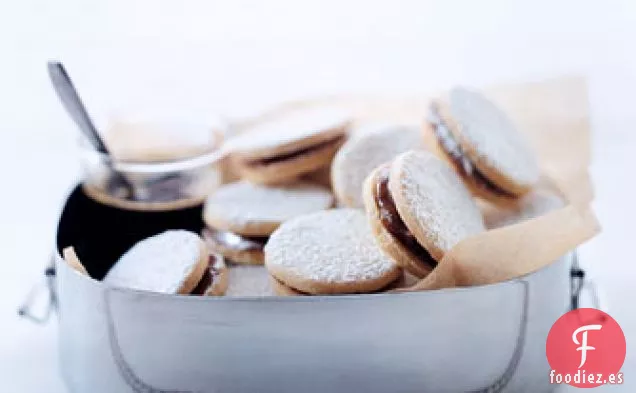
column 207, row 279
column 288, row 156
column 463, row 164
column 393, row 223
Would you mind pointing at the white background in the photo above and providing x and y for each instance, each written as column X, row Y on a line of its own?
column 234, row 57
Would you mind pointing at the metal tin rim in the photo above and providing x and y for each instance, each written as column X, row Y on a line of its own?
column 320, row 298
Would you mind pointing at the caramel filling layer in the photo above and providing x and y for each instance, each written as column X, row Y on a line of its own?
column 288, row 156
column 207, row 279
column 392, row 222
column 463, row 164
column 234, row 241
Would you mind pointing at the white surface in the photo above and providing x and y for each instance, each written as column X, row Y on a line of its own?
column 234, row 56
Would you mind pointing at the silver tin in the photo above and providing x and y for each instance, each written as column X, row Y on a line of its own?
column 481, row 339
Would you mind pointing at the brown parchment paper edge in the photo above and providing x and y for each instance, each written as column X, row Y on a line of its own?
column 71, row 258
column 506, row 253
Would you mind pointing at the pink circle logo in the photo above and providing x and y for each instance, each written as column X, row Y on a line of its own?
column 586, row 348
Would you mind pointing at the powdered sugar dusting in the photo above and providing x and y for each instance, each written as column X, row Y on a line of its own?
column 247, row 280
column 493, row 135
column 334, row 246
column 438, row 199
column 288, row 128
column 243, row 202
column 373, row 145
column 160, row 263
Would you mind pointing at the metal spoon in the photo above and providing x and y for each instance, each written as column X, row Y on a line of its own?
column 77, row 111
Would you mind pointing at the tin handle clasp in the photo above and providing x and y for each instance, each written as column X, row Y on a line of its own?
column 581, row 284
column 41, row 300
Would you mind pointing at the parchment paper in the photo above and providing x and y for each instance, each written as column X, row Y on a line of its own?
column 73, row 261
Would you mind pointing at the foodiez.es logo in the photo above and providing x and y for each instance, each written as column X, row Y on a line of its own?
column 586, row 348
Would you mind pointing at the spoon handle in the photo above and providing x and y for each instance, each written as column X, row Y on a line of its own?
column 73, row 104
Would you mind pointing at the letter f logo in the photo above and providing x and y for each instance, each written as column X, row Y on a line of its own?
column 583, row 344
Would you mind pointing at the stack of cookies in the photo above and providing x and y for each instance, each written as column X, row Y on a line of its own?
column 400, row 197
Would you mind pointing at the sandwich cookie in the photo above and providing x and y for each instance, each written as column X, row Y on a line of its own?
column 173, row 262
column 406, row 281
column 255, row 281
column 241, row 216
column 246, row 280
column 531, row 205
column 483, row 145
column 281, row 289
column 322, row 176
column 215, row 278
column 327, row 253
column 283, row 148
column 371, row 146
column 419, row 209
